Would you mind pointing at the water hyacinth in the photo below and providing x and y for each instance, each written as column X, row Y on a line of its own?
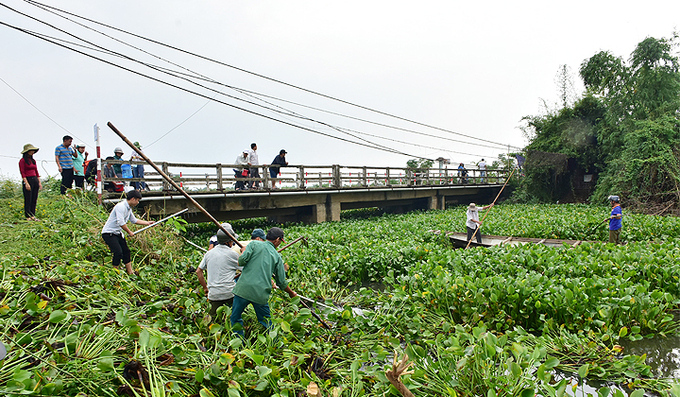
column 501, row 321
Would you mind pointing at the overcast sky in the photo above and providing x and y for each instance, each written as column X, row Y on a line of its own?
column 472, row 68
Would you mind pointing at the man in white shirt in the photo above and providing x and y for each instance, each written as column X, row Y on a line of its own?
column 253, row 162
column 112, row 232
column 221, row 264
column 482, row 170
column 473, row 223
column 242, row 163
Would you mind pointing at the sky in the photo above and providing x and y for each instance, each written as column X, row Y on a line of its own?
column 429, row 79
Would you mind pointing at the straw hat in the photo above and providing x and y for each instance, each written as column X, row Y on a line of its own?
column 472, row 207
column 28, row 147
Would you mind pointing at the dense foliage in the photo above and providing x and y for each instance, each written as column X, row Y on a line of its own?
column 626, row 128
column 503, row 321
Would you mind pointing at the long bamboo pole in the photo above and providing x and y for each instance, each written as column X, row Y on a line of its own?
column 162, row 220
column 174, row 184
column 487, row 211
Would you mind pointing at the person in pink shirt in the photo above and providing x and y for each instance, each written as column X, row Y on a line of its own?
column 30, row 180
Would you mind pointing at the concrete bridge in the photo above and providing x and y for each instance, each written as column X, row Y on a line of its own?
column 314, row 194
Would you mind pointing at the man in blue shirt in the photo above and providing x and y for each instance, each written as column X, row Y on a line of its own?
column 615, row 220
column 63, row 155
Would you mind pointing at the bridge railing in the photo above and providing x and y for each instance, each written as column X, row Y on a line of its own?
column 223, row 177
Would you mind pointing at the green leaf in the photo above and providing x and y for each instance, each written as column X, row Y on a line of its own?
column 583, row 370
column 144, row 338
column 58, row 316
column 527, row 393
column 623, row 332
column 603, row 392
column 105, row 364
column 263, row 371
column 551, row 362
column 638, row 393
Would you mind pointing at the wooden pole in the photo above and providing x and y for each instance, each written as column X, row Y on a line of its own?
column 487, row 212
column 162, row 220
column 175, row 185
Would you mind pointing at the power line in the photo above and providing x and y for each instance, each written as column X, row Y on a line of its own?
column 172, row 73
column 254, row 94
column 40, row 36
column 44, row 6
column 36, row 108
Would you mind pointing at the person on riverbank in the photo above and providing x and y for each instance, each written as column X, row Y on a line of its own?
column 112, row 232
column 213, row 241
column 63, row 155
column 275, row 167
column 79, row 158
column 615, row 220
column 30, row 179
column 473, row 223
column 221, row 264
column 253, row 162
column 260, row 261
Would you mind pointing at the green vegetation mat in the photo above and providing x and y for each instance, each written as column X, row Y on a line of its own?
column 527, row 320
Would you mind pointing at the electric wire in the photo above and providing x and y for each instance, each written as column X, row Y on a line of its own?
column 36, row 108
column 252, row 94
column 45, row 6
column 167, row 71
column 39, row 36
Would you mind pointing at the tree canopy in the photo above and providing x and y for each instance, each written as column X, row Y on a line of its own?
column 625, row 127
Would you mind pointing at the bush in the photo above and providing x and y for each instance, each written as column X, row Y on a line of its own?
column 9, row 188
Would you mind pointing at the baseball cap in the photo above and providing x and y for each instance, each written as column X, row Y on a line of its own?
column 275, row 233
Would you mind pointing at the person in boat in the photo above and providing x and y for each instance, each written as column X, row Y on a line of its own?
column 615, row 220
column 221, row 264
column 473, row 223
column 260, row 261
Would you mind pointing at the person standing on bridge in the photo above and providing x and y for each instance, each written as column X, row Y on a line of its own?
column 241, row 170
column 253, row 162
column 275, row 168
column 260, row 261
column 473, row 223
column 482, row 170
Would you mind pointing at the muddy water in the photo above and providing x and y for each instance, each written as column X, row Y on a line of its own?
column 663, row 354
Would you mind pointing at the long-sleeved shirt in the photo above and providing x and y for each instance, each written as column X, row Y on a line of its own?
column 120, row 215
column 242, row 162
column 260, row 262
column 278, row 160
column 28, row 169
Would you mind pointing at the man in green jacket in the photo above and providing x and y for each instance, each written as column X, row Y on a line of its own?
column 260, row 262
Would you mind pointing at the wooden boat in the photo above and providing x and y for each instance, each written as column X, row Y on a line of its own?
column 459, row 240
